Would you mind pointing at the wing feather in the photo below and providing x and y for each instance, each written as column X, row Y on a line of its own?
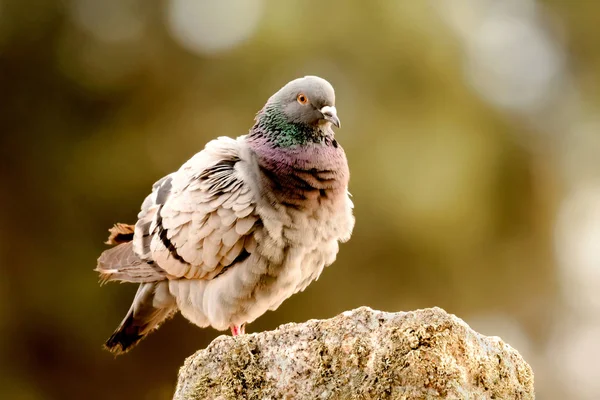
column 243, row 225
column 206, row 216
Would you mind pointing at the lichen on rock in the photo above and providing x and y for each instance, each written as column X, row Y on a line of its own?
column 360, row 354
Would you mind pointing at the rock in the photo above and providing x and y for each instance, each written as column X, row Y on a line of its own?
column 360, row 354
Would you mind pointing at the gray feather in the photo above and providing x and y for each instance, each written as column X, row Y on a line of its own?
column 152, row 305
column 121, row 264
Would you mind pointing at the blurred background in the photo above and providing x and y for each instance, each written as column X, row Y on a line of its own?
column 471, row 127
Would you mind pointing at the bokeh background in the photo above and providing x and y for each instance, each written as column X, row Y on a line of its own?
column 471, row 127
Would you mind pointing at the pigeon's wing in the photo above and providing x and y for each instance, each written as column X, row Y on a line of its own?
column 200, row 219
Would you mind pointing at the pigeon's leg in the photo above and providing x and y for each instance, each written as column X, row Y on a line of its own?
column 235, row 330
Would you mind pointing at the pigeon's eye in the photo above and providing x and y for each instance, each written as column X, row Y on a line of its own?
column 302, row 99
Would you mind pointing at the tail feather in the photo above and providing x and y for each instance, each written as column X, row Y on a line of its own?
column 121, row 264
column 152, row 305
column 120, row 233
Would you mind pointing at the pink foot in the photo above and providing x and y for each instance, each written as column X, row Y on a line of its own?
column 238, row 330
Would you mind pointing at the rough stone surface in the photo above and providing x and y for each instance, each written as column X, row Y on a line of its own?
column 360, row 354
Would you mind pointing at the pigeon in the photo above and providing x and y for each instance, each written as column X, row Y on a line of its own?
column 241, row 226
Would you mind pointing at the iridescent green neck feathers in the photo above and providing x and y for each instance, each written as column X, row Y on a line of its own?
column 272, row 124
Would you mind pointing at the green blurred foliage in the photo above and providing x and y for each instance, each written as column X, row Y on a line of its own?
column 452, row 208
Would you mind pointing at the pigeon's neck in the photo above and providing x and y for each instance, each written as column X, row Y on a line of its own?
column 272, row 125
column 302, row 176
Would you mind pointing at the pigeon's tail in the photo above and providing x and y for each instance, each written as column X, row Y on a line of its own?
column 152, row 305
column 121, row 263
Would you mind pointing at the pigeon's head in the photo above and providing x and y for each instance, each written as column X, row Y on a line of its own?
column 308, row 101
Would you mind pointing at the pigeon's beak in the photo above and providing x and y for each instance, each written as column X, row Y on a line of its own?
column 330, row 114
